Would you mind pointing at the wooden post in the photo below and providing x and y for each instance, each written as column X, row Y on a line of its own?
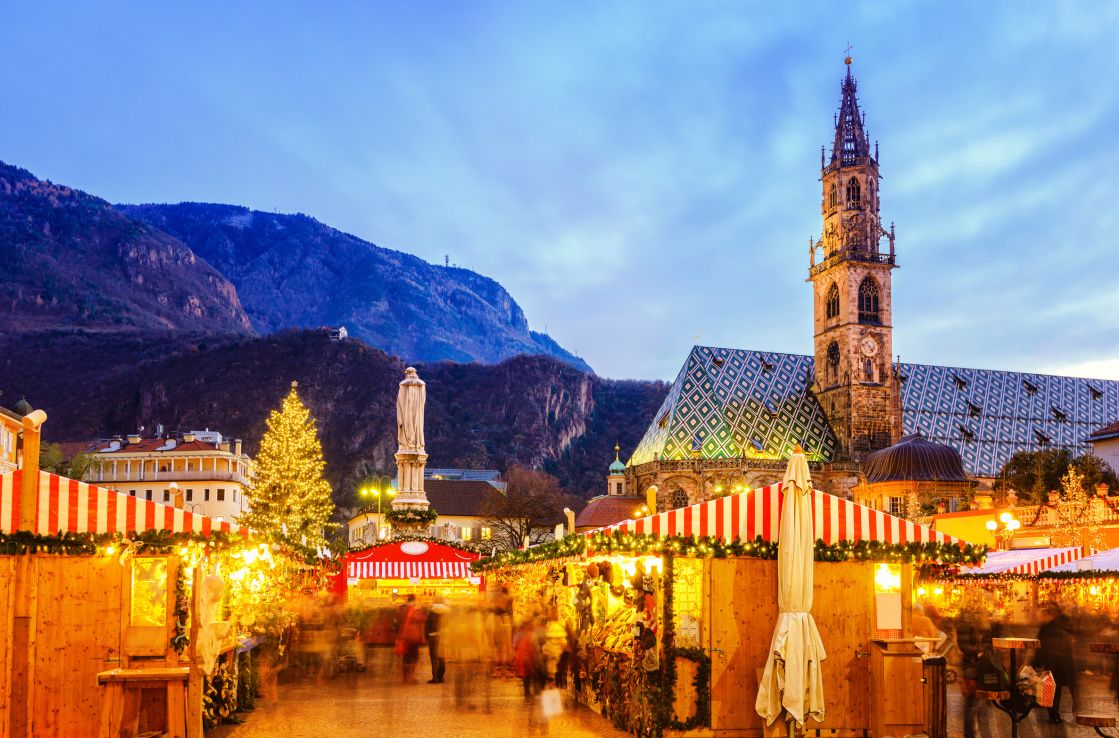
column 29, row 490
column 194, row 679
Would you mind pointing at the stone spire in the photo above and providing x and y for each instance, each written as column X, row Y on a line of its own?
column 851, row 144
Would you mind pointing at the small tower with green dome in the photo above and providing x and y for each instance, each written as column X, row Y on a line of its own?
column 616, row 480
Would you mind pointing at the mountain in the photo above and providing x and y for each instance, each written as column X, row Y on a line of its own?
column 69, row 259
column 533, row 410
column 291, row 271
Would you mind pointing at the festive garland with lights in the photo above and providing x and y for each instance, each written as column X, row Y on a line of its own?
column 411, row 516
column 180, row 639
column 702, row 681
column 88, row 544
column 712, row 547
column 1087, row 574
column 464, row 546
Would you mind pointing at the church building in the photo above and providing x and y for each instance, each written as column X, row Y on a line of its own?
column 733, row 416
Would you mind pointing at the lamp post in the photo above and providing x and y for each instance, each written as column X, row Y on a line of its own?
column 1004, row 528
column 380, row 489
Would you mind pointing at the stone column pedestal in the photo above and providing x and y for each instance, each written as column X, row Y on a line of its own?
column 410, row 480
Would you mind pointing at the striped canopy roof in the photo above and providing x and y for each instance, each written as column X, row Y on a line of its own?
column 67, row 505
column 1102, row 561
column 747, row 515
column 1026, row 560
column 409, row 560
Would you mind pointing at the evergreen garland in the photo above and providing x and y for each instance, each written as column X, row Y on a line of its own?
column 411, row 516
column 464, row 546
column 712, row 547
column 181, row 639
column 88, row 544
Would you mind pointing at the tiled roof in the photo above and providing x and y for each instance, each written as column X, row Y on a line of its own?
column 468, row 498
column 915, row 459
column 1108, row 431
column 731, row 403
column 607, row 510
column 150, row 445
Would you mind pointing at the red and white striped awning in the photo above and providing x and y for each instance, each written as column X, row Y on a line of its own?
column 408, row 570
column 747, row 515
column 409, row 560
column 67, row 505
column 1026, row 560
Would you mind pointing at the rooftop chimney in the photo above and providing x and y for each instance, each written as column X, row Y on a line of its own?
column 133, row 438
column 188, row 437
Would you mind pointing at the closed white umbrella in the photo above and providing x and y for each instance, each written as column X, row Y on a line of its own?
column 792, row 680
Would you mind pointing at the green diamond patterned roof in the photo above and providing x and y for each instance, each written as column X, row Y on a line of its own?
column 734, row 403
column 729, row 403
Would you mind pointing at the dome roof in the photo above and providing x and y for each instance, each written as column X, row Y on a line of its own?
column 23, row 407
column 915, row 459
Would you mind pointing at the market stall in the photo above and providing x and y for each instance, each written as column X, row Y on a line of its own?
column 1004, row 587
column 387, row 572
column 123, row 610
column 673, row 614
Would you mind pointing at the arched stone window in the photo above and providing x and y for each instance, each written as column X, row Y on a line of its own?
column 832, row 302
column 854, row 193
column 868, row 370
column 833, row 196
column 868, row 301
column 679, row 498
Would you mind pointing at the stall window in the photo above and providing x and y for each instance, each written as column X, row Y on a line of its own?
column 149, row 592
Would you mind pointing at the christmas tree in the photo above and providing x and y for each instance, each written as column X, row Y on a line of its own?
column 1078, row 517
column 288, row 492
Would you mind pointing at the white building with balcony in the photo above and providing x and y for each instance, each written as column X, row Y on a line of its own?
column 197, row 470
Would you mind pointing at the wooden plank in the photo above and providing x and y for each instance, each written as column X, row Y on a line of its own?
column 7, row 613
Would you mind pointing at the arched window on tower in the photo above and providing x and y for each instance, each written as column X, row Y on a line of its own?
column 833, row 197
column 870, row 194
column 833, row 302
column 854, row 193
column 868, row 370
column 868, row 301
column 833, row 364
column 679, row 498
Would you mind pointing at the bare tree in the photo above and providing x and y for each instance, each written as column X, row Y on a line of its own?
column 528, row 509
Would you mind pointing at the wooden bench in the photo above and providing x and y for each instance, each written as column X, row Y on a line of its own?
column 1096, row 723
column 120, row 710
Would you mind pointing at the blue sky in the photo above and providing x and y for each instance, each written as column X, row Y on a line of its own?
column 634, row 173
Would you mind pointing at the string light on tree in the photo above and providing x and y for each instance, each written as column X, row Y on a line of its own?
column 289, row 492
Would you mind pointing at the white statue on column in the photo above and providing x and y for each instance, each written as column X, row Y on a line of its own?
column 410, row 402
column 411, row 457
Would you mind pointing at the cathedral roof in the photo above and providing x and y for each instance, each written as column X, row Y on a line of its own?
column 915, row 459
column 734, row 403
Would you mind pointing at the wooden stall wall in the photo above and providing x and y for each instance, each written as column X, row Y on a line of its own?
column 742, row 613
column 7, row 609
column 73, row 607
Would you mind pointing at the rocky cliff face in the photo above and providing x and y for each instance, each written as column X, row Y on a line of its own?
column 293, row 272
column 68, row 259
column 532, row 410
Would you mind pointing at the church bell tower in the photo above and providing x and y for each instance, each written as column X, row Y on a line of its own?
column 855, row 380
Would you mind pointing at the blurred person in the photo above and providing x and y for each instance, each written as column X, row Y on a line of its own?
column 466, row 649
column 432, row 631
column 409, row 638
column 554, row 644
column 1056, row 653
column 526, row 657
column 972, row 639
column 503, row 630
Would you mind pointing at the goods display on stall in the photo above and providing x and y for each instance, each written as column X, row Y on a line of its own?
column 131, row 615
column 672, row 615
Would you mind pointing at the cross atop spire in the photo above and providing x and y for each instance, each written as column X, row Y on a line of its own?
column 850, row 143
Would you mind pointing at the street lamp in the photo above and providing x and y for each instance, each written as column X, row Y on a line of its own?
column 640, row 512
column 379, row 492
column 1004, row 534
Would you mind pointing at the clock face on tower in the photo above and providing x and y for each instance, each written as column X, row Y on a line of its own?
column 869, row 346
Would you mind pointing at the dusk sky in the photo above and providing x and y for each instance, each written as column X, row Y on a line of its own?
column 633, row 173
